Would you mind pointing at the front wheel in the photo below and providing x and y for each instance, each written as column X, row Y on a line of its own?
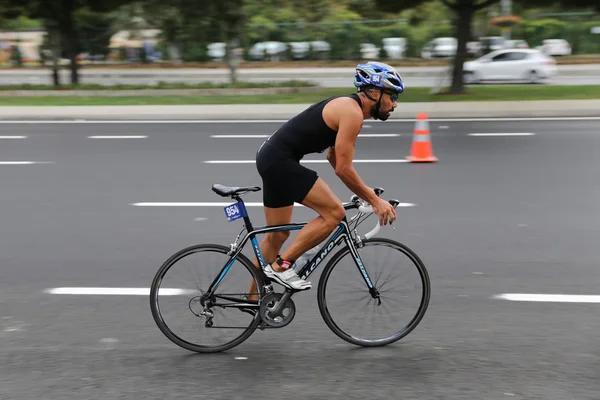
column 392, row 311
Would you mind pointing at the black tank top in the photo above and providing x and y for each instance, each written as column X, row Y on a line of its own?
column 307, row 132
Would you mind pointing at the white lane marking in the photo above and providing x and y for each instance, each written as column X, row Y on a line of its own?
column 378, row 135
column 269, row 121
column 218, row 204
column 13, row 137
column 503, row 134
column 551, row 298
column 25, row 162
column 305, row 161
column 444, row 127
column 362, row 135
column 109, row 343
column 239, row 136
column 114, row 291
column 241, row 358
column 200, row 219
column 118, row 137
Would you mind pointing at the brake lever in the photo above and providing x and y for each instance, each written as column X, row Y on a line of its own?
column 394, row 204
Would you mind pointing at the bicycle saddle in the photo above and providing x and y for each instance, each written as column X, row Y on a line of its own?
column 226, row 191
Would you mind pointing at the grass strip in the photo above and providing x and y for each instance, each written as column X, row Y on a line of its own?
column 474, row 93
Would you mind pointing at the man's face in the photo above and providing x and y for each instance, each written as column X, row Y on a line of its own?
column 388, row 103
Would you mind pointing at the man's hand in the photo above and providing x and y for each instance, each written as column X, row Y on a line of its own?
column 384, row 210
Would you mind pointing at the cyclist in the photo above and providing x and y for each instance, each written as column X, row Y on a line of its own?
column 332, row 124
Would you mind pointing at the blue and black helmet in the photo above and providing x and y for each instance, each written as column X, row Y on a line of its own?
column 379, row 75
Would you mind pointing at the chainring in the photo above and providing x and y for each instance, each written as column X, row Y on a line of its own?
column 286, row 315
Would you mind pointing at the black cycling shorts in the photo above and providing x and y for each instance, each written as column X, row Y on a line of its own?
column 285, row 180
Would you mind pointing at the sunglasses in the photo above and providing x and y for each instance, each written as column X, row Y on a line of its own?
column 393, row 95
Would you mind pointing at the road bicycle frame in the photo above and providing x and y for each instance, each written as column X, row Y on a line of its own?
column 342, row 233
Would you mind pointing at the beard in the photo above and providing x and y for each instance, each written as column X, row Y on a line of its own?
column 379, row 114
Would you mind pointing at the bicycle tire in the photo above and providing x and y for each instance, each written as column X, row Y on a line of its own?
column 424, row 303
column 156, row 309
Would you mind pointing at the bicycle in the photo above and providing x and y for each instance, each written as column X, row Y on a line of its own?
column 272, row 310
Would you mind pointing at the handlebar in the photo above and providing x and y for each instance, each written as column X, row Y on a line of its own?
column 355, row 203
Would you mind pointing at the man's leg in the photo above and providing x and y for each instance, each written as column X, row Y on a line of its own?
column 331, row 212
column 272, row 242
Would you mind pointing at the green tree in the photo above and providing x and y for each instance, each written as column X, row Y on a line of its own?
column 188, row 26
column 463, row 10
column 60, row 20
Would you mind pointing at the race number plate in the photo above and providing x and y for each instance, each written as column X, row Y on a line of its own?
column 235, row 211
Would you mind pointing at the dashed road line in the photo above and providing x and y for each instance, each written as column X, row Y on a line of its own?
column 218, row 204
column 503, row 134
column 116, row 291
column 25, row 162
column 118, row 137
column 383, row 161
column 548, row 298
column 268, row 121
column 362, row 135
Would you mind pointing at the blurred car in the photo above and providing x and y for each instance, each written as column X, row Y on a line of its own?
column 216, row 51
column 395, row 47
column 516, row 44
column 489, row 44
column 556, row 47
column 300, row 50
column 272, row 51
column 509, row 65
column 440, row 47
column 369, row 50
column 473, row 49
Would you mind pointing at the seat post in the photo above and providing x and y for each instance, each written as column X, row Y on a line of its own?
column 247, row 221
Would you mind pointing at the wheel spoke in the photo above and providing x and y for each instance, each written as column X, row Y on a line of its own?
column 181, row 320
column 379, row 324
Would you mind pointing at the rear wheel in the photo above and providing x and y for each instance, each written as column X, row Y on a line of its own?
column 472, row 77
column 192, row 320
column 350, row 310
column 533, row 77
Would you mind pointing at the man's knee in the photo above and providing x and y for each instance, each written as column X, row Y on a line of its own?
column 337, row 214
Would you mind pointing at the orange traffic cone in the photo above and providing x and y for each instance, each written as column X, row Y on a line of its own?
column 421, row 150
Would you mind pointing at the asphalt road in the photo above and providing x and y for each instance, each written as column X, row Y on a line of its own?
column 495, row 215
column 326, row 77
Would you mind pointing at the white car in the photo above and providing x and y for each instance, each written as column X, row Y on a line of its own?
column 439, row 47
column 267, row 51
column 511, row 64
column 516, row 44
column 556, row 47
column 395, row 47
column 217, row 51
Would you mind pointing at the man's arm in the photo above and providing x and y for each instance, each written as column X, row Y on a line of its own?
column 349, row 127
column 331, row 156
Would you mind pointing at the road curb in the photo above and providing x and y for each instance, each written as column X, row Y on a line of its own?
column 450, row 110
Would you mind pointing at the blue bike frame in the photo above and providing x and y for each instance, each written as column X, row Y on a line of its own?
column 342, row 233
